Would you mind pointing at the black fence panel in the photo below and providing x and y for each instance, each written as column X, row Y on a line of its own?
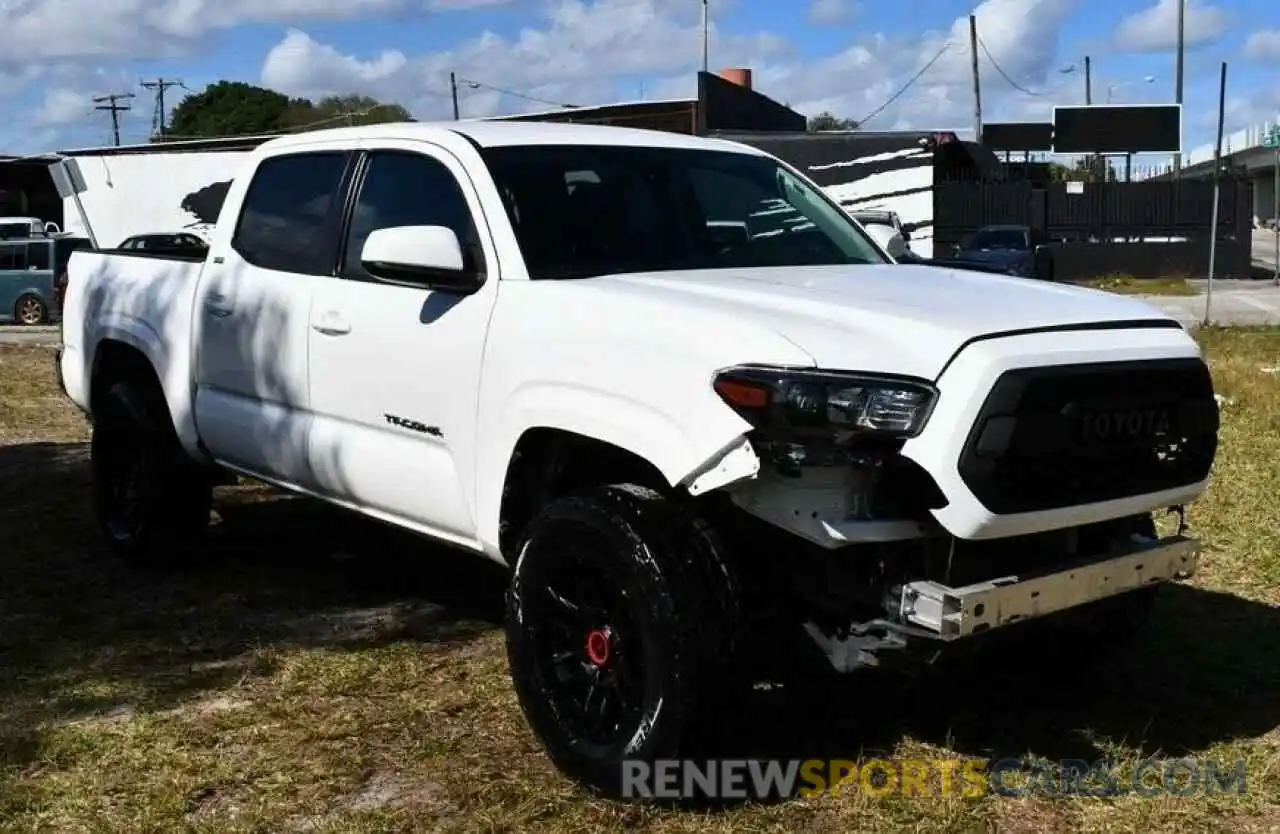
column 1187, row 259
column 1106, row 213
column 957, row 205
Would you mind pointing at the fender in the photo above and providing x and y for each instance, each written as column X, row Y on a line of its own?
column 703, row 443
column 141, row 336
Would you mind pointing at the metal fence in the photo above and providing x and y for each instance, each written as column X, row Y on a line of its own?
column 1113, row 217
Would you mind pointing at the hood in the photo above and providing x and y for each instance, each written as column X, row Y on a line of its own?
column 890, row 318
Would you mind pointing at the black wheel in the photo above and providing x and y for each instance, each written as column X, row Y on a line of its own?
column 149, row 499
column 30, row 310
column 604, row 636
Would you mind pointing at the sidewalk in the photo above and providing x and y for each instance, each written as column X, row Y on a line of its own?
column 1232, row 303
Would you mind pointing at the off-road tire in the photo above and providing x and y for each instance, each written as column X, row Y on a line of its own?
column 645, row 550
column 169, row 496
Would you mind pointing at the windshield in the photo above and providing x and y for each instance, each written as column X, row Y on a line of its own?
column 583, row 211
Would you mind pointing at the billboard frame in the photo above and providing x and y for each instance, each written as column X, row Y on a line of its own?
column 1177, row 106
column 988, row 125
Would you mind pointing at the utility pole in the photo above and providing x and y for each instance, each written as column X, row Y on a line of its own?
column 160, row 85
column 113, row 107
column 1177, row 73
column 1272, row 140
column 977, row 87
column 1217, row 191
column 453, row 91
column 1088, row 81
column 706, row 35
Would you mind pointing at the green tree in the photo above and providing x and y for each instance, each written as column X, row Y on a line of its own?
column 233, row 108
column 826, row 121
column 359, row 110
column 228, row 108
column 1090, row 168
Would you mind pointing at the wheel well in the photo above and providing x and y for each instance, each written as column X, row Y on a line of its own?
column 548, row 463
column 118, row 362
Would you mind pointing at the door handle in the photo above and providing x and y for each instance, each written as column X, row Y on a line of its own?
column 332, row 324
column 216, row 305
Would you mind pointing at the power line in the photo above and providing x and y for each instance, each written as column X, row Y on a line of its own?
column 906, row 86
column 160, row 85
column 346, row 116
column 115, row 109
column 1014, row 84
column 478, row 85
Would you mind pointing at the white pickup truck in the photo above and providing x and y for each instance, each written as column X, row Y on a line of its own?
column 669, row 382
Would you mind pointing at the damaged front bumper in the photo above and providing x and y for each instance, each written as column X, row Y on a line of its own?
column 952, row 613
column 931, row 611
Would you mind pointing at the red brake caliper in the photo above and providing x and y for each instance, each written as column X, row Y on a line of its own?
column 599, row 647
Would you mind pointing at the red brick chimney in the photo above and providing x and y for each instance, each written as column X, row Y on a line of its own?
column 737, row 75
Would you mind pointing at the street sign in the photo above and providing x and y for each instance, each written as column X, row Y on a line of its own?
column 1272, row 139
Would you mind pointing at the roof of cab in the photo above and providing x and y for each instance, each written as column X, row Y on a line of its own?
column 496, row 134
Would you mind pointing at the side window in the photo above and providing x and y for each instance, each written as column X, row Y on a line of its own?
column 288, row 212
column 38, row 255
column 408, row 189
column 13, row 256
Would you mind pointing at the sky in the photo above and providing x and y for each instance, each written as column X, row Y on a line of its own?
column 848, row 57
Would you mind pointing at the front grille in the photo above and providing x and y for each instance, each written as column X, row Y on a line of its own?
column 1079, row 434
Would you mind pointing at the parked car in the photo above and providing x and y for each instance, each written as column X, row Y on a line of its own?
column 166, row 243
column 889, row 240
column 881, row 217
column 698, row 448
column 28, row 276
column 1016, row 250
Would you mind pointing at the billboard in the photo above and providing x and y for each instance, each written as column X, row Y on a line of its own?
column 1018, row 136
column 1115, row 128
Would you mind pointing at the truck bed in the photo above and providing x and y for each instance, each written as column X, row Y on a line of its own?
column 140, row 299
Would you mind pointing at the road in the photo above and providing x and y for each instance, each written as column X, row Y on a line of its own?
column 1230, row 303
column 15, row 335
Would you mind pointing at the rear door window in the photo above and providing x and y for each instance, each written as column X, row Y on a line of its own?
column 291, row 213
column 38, row 255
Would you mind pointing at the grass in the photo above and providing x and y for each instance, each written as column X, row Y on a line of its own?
column 310, row 672
column 1128, row 285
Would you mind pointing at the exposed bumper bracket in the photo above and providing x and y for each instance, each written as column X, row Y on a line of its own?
column 935, row 613
column 952, row 613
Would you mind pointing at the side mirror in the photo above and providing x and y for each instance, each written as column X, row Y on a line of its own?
column 421, row 256
column 888, row 239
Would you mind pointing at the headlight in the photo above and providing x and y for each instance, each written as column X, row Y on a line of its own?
column 797, row 403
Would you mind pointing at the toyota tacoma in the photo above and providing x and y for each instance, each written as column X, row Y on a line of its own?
column 665, row 379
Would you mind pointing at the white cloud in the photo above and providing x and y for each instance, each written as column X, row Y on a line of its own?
column 1263, row 45
column 830, row 12
column 577, row 57
column 45, row 30
column 597, row 52
column 62, row 106
column 1155, row 29
column 460, row 5
column 576, row 51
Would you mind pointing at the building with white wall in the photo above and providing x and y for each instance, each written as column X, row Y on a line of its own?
column 154, row 188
